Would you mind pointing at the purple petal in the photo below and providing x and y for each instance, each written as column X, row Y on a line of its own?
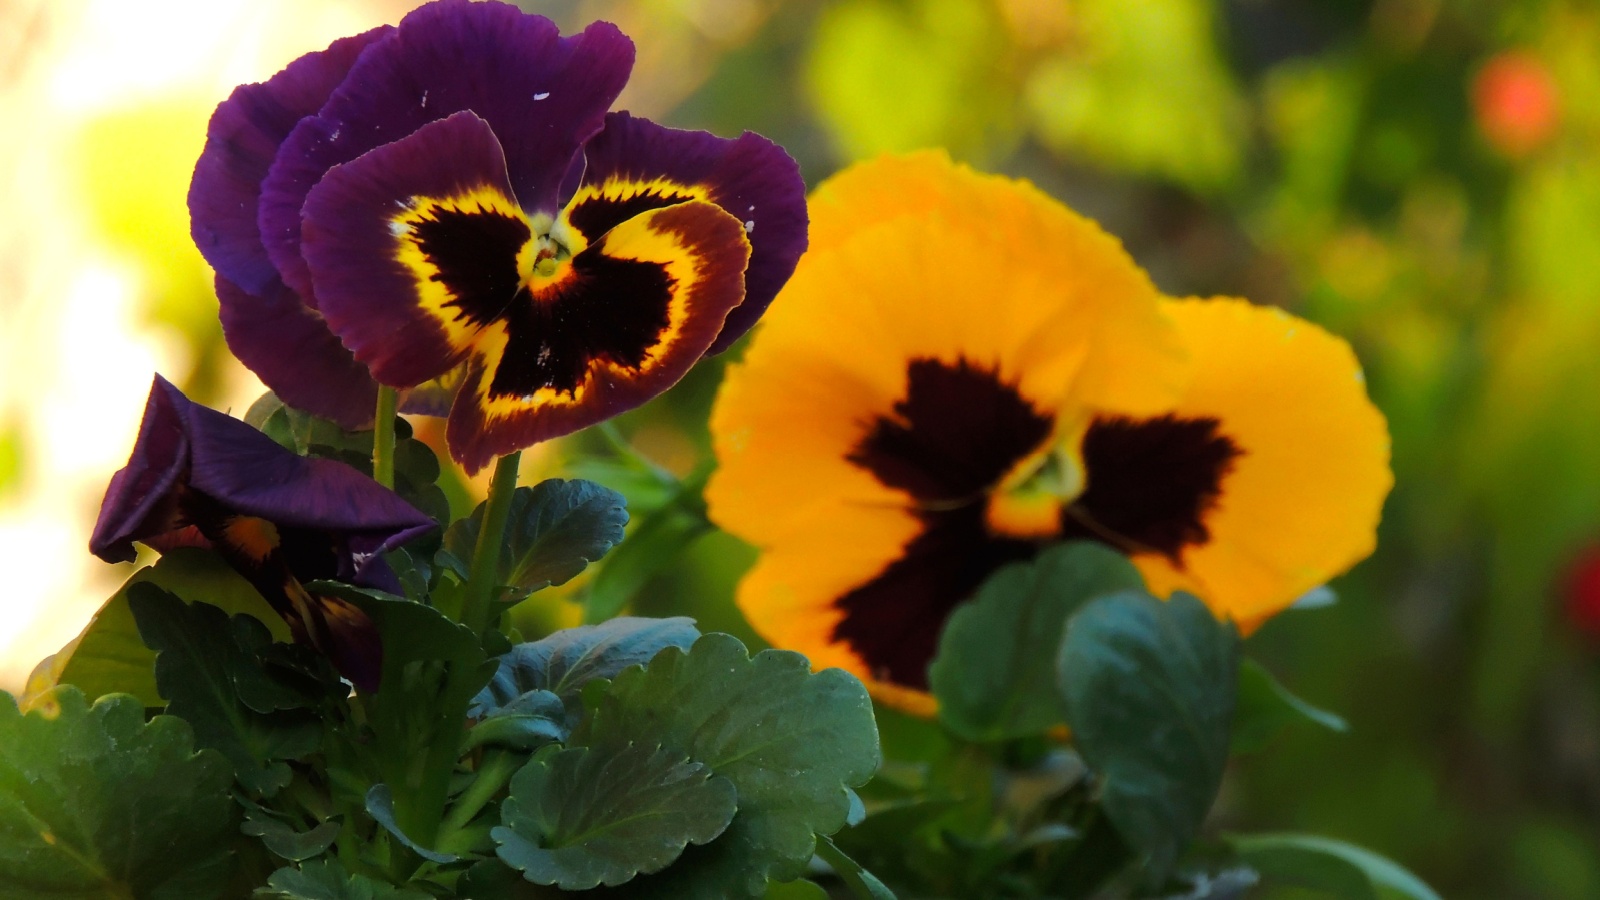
column 289, row 346
column 241, row 142
column 544, row 96
column 160, row 456
column 750, row 177
column 185, row 445
column 413, row 247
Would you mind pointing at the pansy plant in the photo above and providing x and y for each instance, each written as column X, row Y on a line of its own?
column 200, row 478
column 1030, row 495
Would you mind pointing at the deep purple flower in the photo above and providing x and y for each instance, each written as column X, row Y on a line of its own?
column 447, row 207
column 200, row 478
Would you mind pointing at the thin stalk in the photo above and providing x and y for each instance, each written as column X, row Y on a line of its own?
column 495, row 773
column 383, row 437
column 478, row 598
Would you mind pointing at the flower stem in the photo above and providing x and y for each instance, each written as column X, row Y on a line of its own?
column 383, row 437
column 493, row 775
column 476, row 607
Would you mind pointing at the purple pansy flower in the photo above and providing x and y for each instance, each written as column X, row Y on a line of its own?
column 200, row 478
column 447, row 207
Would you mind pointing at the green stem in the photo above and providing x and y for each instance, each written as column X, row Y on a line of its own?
column 383, row 437
column 495, row 773
column 477, row 603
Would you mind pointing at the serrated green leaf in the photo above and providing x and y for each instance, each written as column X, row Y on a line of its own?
column 564, row 662
column 555, row 529
column 790, row 741
column 429, row 664
column 994, row 672
column 109, row 657
column 284, row 840
column 1148, row 689
column 1266, row 707
column 327, row 880
column 206, row 664
column 586, row 816
column 380, row 806
column 97, row 803
column 1326, row 864
column 525, row 723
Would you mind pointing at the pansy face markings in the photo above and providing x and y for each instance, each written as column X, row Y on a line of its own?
column 1152, row 483
column 958, row 430
column 469, row 254
column 618, row 321
column 599, row 207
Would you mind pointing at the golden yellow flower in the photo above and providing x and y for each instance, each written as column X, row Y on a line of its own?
column 962, row 371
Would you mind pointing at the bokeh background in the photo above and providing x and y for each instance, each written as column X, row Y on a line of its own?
column 1421, row 176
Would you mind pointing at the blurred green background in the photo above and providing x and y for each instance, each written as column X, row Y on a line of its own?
column 1422, row 177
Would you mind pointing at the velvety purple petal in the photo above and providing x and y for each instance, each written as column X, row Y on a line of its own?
column 290, row 348
column 160, row 458
column 185, row 447
column 414, row 246
column 249, row 473
column 241, row 142
column 544, row 96
column 750, row 177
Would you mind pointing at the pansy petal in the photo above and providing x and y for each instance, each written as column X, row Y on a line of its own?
column 414, row 248
column 1301, row 502
column 1135, row 357
column 185, row 446
column 160, row 457
column 543, row 95
column 635, row 165
column 621, row 322
column 241, row 142
column 289, row 346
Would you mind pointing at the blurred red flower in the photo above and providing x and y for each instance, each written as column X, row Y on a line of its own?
column 1516, row 103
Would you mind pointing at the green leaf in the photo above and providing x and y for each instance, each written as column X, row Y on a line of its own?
column 583, row 816
column 794, row 890
column 380, row 806
column 564, row 662
column 790, row 741
column 327, row 880
column 97, row 803
column 1326, row 864
column 555, row 529
column 109, row 656
column 206, row 665
column 284, row 840
column 1148, row 688
column 862, row 883
column 1266, row 708
column 995, row 667
column 525, row 723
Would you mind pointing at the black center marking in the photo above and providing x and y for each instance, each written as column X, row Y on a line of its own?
column 475, row 253
column 958, row 431
column 1150, row 483
column 598, row 215
column 608, row 309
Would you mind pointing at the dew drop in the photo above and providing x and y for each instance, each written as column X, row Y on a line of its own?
column 541, row 96
column 750, row 226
